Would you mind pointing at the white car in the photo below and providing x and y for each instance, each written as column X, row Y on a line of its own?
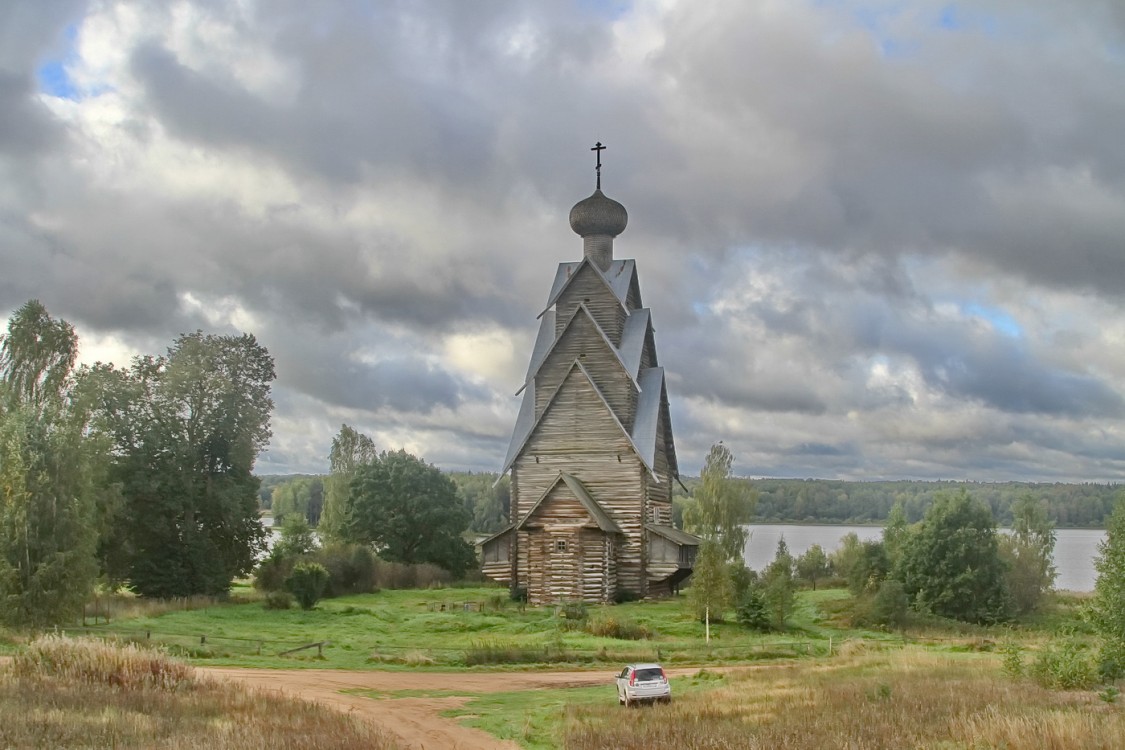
column 643, row 683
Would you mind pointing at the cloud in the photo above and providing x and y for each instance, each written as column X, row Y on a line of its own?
column 878, row 240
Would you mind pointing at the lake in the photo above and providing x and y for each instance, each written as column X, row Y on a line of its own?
column 1074, row 548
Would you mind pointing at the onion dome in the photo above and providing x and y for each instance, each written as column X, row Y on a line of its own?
column 598, row 215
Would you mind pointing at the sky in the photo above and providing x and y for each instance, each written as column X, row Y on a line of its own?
column 880, row 239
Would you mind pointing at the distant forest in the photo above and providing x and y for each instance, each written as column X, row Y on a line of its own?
column 779, row 500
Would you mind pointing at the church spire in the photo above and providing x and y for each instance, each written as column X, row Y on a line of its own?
column 598, row 219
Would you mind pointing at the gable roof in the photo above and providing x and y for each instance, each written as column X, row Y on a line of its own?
column 544, row 342
column 533, row 370
column 526, row 419
column 633, row 337
column 617, row 278
column 596, row 511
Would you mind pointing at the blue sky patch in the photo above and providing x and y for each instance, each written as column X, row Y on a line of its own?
column 52, row 76
column 1001, row 321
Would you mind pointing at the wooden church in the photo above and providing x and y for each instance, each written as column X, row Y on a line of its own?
column 591, row 457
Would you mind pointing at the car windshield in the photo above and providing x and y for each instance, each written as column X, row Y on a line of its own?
column 651, row 673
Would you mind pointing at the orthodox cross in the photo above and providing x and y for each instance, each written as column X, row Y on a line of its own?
column 598, row 148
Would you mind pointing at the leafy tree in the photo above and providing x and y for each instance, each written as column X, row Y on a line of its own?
column 1107, row 609
column 301, row 495
column 779, row 589
column 187, row 428
column 350, row 451
column 1028, row 553
column 50, row 473
column 297, row 537
column 722, row 506
column 711, row 590
column 307, row 583
column 951, row 564
column 409, row 511
column 895, row 533
column 813, row 565
column 847, row 555
column 890, row 604
column 869, row 568
column 486, row 497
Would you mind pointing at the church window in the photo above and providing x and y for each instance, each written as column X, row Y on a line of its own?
column 560, row 545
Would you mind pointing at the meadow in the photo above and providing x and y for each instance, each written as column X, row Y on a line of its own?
column 820, row 683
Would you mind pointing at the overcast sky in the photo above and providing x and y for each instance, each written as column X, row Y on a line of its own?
column 880, row 239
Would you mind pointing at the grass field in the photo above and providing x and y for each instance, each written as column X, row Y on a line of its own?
column 456, row 627
column 942, row 686
column 60, row 693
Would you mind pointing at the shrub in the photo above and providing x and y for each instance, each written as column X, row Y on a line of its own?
column 890, row 605
column 573, row 611
column 752, row 612
column 307, row 583
column 278, row 600
column 1066, row 666
column 272, row 572
column 351, row 569
column 622, row 629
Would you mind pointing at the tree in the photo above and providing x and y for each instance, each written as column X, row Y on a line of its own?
column 187, row 428
column 895, row 533
column 297, row 537
column 711, row 587
column 350, row 451
column 1107, row 609
column 869, row 568
column 1028, row 553
column 50, row 472
column 409, row 511
column 722, row 507
column 890, row 604
column 779, row 590
column 813, row 565
column 847, row 556
column 951, row 564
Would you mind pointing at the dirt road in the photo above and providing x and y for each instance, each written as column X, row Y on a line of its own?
column 416, row 721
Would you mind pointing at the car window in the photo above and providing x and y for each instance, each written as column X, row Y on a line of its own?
column 624, row 672
column 648, row 674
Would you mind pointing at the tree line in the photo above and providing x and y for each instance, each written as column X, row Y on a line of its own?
column 1086, row 505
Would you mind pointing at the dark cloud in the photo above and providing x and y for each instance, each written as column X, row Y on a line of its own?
column 826, row 205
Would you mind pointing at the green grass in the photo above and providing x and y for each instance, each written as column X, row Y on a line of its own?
column 433, row 629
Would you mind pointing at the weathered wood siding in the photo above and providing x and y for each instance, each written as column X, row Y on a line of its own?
column 581, row 341
column 578, row 435
column 633, row 298
column 587, row 287
column 496, row 560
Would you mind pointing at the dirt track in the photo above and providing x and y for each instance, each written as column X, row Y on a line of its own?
column 415, row 721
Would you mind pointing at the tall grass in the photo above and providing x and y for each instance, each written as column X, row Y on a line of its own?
column 905, row 699
column 76, row 693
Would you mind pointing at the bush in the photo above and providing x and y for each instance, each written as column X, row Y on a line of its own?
column 890, row 605
column 278, row 600
column 573, row 611
column 272, row 572
column 752, row 612
column 351, row 569
column 307, row 583
column 1066, row 666
column 622, row 629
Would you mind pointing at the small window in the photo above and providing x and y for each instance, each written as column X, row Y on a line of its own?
column 560, row 545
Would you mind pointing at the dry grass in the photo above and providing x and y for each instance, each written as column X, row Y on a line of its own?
column 63, row 693
column 904, row 699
